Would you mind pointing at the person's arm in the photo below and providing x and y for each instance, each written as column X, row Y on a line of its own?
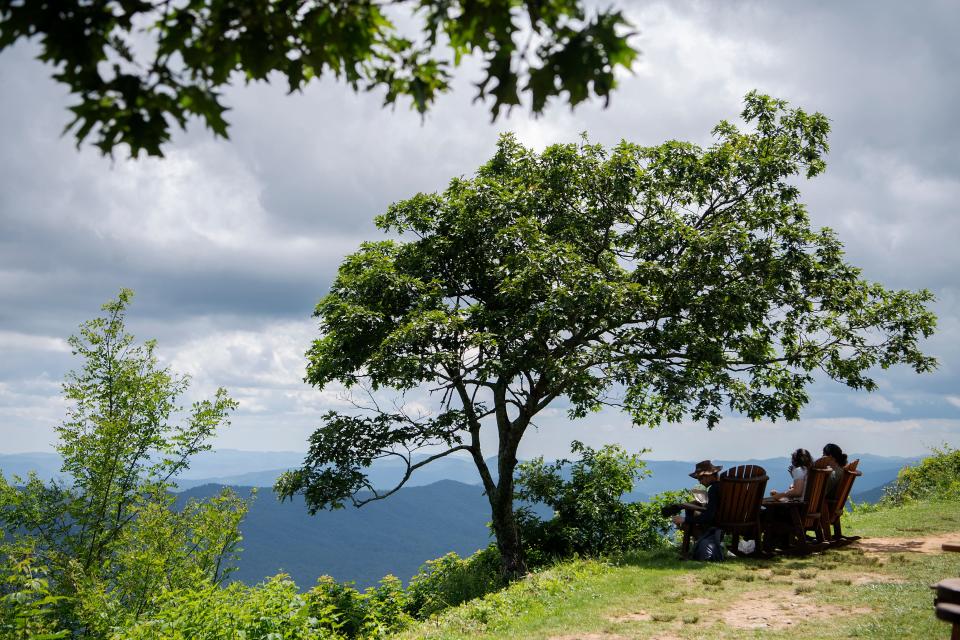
column 795, row 490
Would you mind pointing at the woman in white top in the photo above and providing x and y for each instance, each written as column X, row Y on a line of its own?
column 801, row 461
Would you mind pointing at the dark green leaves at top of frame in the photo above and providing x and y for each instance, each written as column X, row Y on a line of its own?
column 581, row 60
column 138, row 68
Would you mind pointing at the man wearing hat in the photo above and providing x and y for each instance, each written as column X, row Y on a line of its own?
column 706, row 474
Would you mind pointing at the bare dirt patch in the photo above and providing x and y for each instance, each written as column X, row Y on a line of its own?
column 763, row 610
column 924, row 544
column 874, row 578
column 689, row 580
column 636, row 616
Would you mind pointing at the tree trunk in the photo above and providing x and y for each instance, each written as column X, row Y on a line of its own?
column 513, row 565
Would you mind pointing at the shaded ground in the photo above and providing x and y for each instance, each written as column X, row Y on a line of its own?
column 924, row 544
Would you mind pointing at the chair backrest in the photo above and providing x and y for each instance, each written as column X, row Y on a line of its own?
column 814, row 494
column 836, row 504
column 823, row 462
column 741, row 491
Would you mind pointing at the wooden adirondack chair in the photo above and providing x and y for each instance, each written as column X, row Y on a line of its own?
column 835, row 504
column 738, row 513
column 741, row 491
column 815, row 494
column 790, row 520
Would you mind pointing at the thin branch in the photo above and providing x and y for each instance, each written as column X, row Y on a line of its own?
column 406, row 475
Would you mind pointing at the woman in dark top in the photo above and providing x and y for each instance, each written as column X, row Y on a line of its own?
column 836, row 459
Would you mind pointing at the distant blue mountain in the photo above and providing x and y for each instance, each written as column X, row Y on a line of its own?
column 45, row 465
column 396, row 535
column 254, row 468
column 261, row 469
column 870, row 496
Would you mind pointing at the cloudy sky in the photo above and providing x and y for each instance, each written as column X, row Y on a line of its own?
column 229, row 244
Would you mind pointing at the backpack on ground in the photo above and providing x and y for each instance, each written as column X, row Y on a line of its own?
column 708, row 546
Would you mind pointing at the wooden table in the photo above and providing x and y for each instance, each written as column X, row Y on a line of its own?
column 947, row 603
column 783, row 514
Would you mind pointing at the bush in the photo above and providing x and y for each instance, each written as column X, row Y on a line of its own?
column 269, row 611
column 653, row 529
column 935, row 477
column 331, row 610
column 26, row 604
column 452, row 580
column 590, row 517
column 375, row 613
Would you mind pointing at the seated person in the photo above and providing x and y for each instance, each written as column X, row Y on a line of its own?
column 800, row 463
column 836, row 460
column 706, row 474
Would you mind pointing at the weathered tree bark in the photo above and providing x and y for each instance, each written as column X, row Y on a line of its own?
column 513, row 565
column 500, row 494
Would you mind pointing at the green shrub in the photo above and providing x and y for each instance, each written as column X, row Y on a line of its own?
column 859, row 508
column 272, row 610
column 451, row 580
column 26, row 604
column 936, row 476
column 590, row 516
column 375, row 613
column 344, row 605
column 387, row 607
column 331, row 610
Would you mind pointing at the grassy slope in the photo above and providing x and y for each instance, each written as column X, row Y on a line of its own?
column 838, row 594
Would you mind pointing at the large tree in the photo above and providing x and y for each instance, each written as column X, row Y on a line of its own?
column 670, row 281
column 139, row 66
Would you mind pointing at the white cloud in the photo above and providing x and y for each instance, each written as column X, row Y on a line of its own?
column 876, row 402
column 16, row 340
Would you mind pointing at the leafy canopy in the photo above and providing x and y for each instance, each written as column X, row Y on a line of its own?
column 669, row 281
column 139, row 66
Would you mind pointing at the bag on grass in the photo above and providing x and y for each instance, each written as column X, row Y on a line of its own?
column 747, row 547
column 708, row 547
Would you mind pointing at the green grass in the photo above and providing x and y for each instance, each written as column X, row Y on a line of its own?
column 847, row 593
column 923, row 518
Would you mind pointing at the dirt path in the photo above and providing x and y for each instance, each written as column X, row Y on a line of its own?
column 757, row 610
column 762, row 608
